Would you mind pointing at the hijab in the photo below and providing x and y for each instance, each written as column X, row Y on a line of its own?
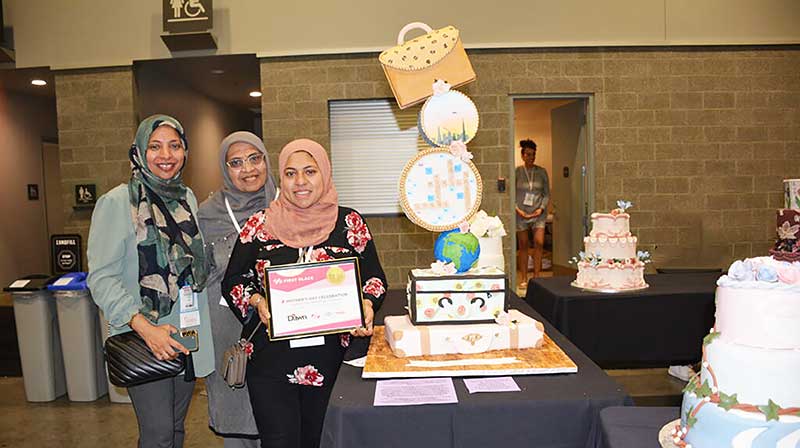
column 302, row 227
column 213, row 215
column 168, row 240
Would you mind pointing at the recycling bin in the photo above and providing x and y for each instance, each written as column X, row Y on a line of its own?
column 79, row 328
column 38, row 336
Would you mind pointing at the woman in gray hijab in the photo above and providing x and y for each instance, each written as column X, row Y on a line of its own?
column 248, row 187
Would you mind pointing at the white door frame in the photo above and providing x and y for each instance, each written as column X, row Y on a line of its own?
column 589, row 185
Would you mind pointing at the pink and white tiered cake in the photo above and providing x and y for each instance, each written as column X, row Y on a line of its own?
column 610, row 261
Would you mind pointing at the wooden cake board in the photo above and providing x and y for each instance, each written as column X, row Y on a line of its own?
column 547, row 359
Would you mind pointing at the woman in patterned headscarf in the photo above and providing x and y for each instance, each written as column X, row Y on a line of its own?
column 147, row 272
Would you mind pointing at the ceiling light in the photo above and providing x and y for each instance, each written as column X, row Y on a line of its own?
column 39, row 82
column 255, row 94
column 217, row 71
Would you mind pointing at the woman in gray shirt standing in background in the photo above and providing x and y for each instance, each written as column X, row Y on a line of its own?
column 533, row 194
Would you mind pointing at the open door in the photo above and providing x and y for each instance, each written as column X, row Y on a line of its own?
column 569, row 207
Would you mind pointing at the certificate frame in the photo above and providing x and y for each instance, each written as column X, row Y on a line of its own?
column 313, row 299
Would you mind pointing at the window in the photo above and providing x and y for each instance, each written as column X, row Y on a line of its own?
column 371, row 142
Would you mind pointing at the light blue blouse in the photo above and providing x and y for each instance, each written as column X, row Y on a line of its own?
column 114, row 273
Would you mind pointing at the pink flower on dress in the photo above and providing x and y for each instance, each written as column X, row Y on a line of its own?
column 320, row 254
column 247, row 346
column 240, row 299
column 344, row 340
column 306, row 376
column 374, row 287
column 260, row 266
column 357, row 232
column 338, row 250
column 254, row 229
column 269, row 247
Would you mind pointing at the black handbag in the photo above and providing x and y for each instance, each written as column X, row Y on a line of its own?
column 130, row 362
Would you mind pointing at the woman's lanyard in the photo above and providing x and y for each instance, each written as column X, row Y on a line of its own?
column 233, row 217
column 528, row 175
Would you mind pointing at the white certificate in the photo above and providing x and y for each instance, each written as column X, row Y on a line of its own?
column 313, row 298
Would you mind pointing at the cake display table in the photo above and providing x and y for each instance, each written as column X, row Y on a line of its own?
column 558, row 410
column 658, row 326
column 634, row 427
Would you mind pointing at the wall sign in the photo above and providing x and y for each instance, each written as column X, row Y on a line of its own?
column 66, row 250
column 85, row 194
column 187, row 16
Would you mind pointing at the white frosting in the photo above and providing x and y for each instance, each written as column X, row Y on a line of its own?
column 406, row 339
column 758, row 318
column 491, row 252
column 606, row 224
column 613, row 277
column 755, row 375
column 605, row 248
column 744, row 274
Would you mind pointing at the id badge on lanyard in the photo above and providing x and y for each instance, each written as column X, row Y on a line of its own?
column 528, row 199
column 190, row 309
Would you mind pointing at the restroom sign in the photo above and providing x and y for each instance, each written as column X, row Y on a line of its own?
column 66, row 250
column 187, row 16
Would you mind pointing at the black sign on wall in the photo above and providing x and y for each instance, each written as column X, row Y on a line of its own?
column 66, row 250
column 187, row 16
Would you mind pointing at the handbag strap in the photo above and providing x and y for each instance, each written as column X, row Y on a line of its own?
column 402, row 34
column 254, row 331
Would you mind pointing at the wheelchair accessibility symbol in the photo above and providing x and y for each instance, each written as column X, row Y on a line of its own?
column 186, row 10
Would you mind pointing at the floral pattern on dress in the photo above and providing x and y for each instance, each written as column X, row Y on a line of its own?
column 344, row 340
column 254, row 229
column 241, row 298
column 260, row 265
column 374, row 287
column 306, row 376
column 247, row 346
column 320, row 254
column 338, row 250
column 357, row 232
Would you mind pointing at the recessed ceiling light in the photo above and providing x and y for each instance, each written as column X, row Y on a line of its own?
column 39, row 82
column 255, row 94
column 217, row 71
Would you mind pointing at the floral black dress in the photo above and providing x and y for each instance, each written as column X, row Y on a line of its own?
column 274, row 364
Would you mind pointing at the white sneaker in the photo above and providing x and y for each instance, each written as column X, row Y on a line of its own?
column 681, row 372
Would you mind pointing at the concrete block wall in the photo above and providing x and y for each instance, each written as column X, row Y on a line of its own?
column 96, row 124
column 698, row 138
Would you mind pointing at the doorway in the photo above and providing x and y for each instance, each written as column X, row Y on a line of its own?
column 559, row 125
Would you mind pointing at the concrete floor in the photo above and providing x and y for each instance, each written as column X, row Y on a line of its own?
column 63, row 423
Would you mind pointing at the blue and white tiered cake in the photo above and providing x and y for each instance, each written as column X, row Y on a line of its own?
column 747, row 394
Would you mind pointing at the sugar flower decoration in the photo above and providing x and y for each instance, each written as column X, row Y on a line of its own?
column 503, row 318
column 440, row 87
column 463, row 227
column 459, row 149
column 741, row 271
column 789, row 275
column 439, row 267
column 788, row 232
column 624, row 205
column 483, row 225
column 767, row 274
column 643, row 256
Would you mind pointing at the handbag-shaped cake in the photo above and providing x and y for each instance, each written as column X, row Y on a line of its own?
column 412, row 66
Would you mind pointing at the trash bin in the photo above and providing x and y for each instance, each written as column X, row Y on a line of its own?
column 80, row 331
column 116, row 394
column 37, row 333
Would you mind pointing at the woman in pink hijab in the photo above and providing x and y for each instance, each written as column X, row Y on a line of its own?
column 290, row 382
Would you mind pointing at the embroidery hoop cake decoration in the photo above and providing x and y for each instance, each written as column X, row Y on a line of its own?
column 448, row 116
column 439, row 190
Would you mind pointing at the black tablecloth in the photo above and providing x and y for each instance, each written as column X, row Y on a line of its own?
column 658, row 326
column 634, row 427
column 558, row 411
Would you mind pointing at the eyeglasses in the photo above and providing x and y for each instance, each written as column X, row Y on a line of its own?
column 255, row 160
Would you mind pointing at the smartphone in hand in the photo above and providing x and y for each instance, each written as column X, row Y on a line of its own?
column 188, row 338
